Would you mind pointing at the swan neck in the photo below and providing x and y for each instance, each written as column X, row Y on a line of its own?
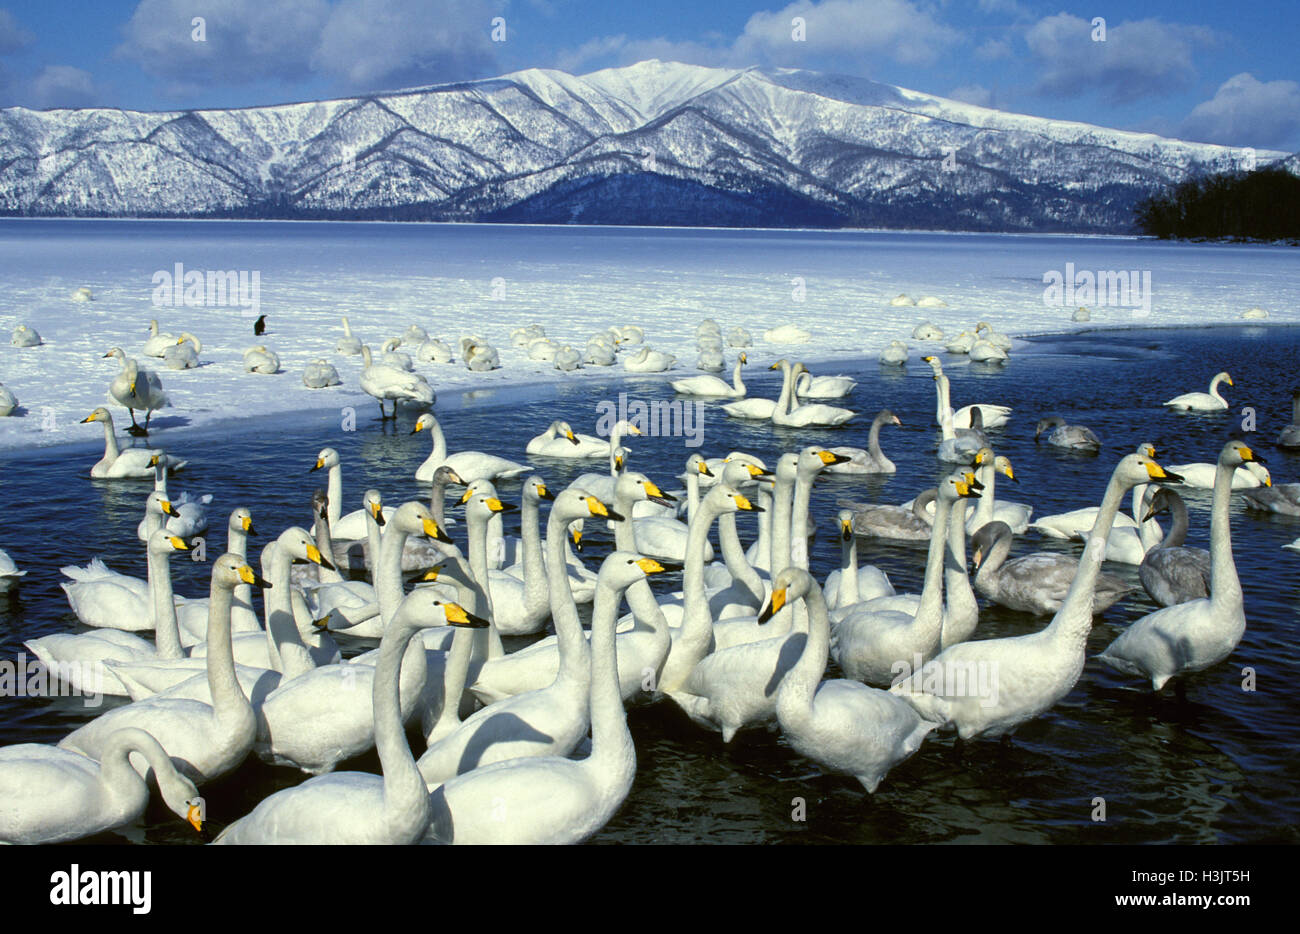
column 111, row 449
column 610, row 739
column 804, row 678
column 406, row 797
column 334, row 490
column 738, row 383
column 325, row 542
column 782, row 506
column 227, row 695
column 167, row 637
column 1225, row 587
column 1073, row 620
column 388, row 572
column 573, row 648
column 932, row 588
column 848, row 593
column 733, row 556
column 799, row 520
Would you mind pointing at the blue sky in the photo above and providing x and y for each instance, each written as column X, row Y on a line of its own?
column 1199, row 69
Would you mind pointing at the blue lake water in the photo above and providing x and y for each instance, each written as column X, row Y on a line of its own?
column 1219, row 766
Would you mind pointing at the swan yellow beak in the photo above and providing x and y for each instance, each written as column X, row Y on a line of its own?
column 1230, row 382
column 133, row 387
column 775, row 366
column 247, row 523
column 431, row 529
column 1247, row 454
column 651, row 489
column 1007, row 469
column 704, row 469
column 596, row 507
column 193, row 817
column 846, row 529
column 577, row 538
column 323, row 623
column 755, row 471
column 570, row 436
column 543, row 492
column 178, row 543
column 469, row 494
column 965, row 489
column 743, row 503
column 432, row 573
column 92, row 417
column 829, row 458
column 651, row 566
column 377, row 510
column 1156, row 472
column 979, row 458
column 320, row 462
column 495, row 504
column 457, row 615
column 249, row 576
column 978, row 557
column 166, row 506
column 744, row 358
column 313, row 553
column 618, row 461
column 773, row 607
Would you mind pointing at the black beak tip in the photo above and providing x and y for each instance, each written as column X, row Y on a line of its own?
column 615, row 516
column 325, row 563
column 380, row 520
column 1171, row 477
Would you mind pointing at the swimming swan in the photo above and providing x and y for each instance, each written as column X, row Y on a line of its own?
column 1192, row 636
column 1172, row 572
column 1203, row 401
column 470, row 465
column 712, row 385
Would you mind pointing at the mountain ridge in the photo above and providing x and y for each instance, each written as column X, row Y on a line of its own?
column 539, row 145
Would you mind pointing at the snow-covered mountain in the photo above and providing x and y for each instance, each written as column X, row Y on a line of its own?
column 652, row 143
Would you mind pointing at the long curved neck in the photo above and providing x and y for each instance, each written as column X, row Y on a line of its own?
column 1225, row 587
column 873, row 441
column 695, row 636
column 799, row 519
column 763, row 544
column 610, row 739
column 119, row 782
column 574, row 652
column 374, row 545
column 227, row 696
column 737, row 383
column 932, row 589
column 286, row 646
column 237, row 540
column 325, row 542
column 334, row 489
column 476, row 529
column 692, row 493
column 782, row 505
column 167, row 635
column 160, row 477
column 848, row 592
column 960, row 598
column 984, row 508
column 406, row 797
column 785, row 402
column 1149, row 532
column 733, row 555
column 803, row 679
column 1178, row 527
column 530, row 534
column 1214, row 389
column 1073, row 620
column 438, row 501
column 995, row 557
column 439, row 443
column 945, row 410
column 111, row 451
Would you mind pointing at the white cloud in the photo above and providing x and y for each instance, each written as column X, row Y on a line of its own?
column 1137, row 59
column 361, row 44
column 12, row 36
column 1248, row 112
column 993, row 49
column 973, row 94
column 61, row 86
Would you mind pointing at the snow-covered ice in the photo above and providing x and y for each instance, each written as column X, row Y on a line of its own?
column 485, row 280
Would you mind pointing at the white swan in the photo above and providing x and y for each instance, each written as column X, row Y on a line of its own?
column 872, row 638
column 118, row 463
column 843, row 725
column 358, row 807
column 926, row 331
column 9, row 573
column 348, row 345
column 902, row 300
column 787, row 334
column 23, row 336
column 204, row 741
column 260, row 360
column 553, row 799
column 712, row 385
column 895, row 354
column 823, row 387
column 649, row 361
column 156, row 506
column 872, row 459
column 1192, row 636
column 786, row 414
column 8, row 401
column 395, row 358
column 848, row 583
column 184, row 354
column 53, row 795
column 157, row 343
column 559, row 440
column 136, row 389
column 386, row 382
column 994, row 685
column 993, row 416
column 470, row 465
column 320, row 374
column 434, row 351
column 550, row 721
column 1202, row 401
column 1289, row 437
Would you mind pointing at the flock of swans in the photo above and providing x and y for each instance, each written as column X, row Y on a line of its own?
column 533, row 745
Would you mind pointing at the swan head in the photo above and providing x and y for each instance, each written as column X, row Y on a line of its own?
column 373, row 503
column 230, row 570
column 241, row 520
column 115, row 352
column 1003, row 466
column 300, row 546
column 424, row 422
column 983, row 455
column 1048, row 424
column 166, row 544
column 886, row 417
column 725, row 498
column 696, row 464
column 100, row 414
column 576, row 503
column 789, row 585
column 1238, row 454
column 483, row 506
column 159, row 505
column 845, row 517
column 744, row 357
column 1136, row 469
column 178, row 792
column 320, row 504
column 957, row 486
column 187, row 336
column 445, row 475
column 622, row 569
column 1221, row 377
column 982, row 542
column 739, row 473
column 814, row 459
column 424, row 608
column 1147, row 448
column 327, row 459
column 415, row 519
column 535, row 489
column 480, row 487
column 1159, row 500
